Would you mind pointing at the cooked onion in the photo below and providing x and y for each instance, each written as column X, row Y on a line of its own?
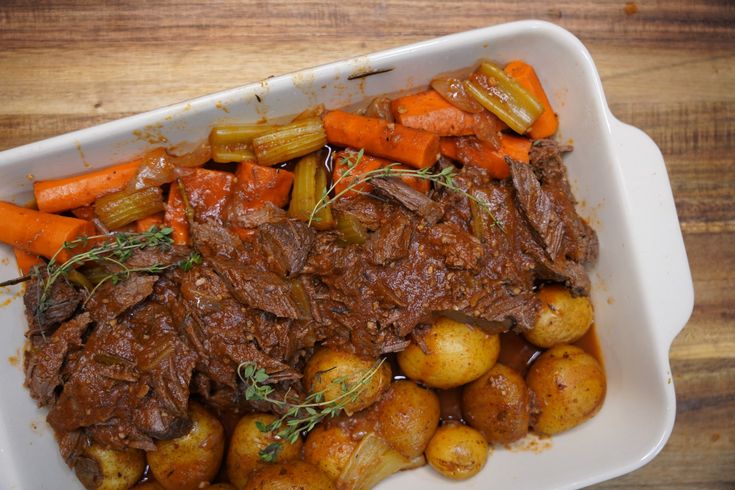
column 487, row 128
column 160, row 167
column 452, row 89
column 379, row 107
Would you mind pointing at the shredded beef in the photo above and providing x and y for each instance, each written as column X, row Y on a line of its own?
column 121, row 368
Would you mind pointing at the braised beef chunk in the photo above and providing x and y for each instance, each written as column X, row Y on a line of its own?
column 121, row 368
column 537, row 208
column 43, row 366
column 412, row 199
column 390, row 242
column 60, row 303
column 112, row 299
column 287, row 245
column 580, row 240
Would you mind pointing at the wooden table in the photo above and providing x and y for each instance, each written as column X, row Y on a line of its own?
column 668, row 67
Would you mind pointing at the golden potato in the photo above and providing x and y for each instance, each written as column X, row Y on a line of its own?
column 457, row 451
column 191, row 460
column 293, row 475
column 408, row 416
column 243, row 455
column 100, row 468
column 220, row 486
column 569, row 387
column 333, row 372
column 562, row 319
column 329, row 449
column 497, row 404
column 457, row 354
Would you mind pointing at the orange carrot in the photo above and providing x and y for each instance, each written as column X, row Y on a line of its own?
column 257, row 185
column 361, row 167
column 84, row 212
column 421, row 185
column 208, row 192
column 378, row 137
column 431, row 112
column 448, row 148
column 40, row 233
column 26, row 261
column 523, row 73
column 364, row 165
column 175, row 216
column 145, row 224
column 57, row 195
column 471, row 151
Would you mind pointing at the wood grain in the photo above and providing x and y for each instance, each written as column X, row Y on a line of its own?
column 669, row 69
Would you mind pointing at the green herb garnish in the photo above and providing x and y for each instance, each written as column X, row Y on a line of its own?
column 298, row 417
column 443, row 178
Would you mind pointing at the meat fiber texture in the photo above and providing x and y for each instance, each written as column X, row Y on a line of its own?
column 121, row 368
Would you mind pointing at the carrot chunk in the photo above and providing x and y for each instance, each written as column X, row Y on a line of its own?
column 40, row 233
column 431, row 112
column 414, row 147
column 523, row 73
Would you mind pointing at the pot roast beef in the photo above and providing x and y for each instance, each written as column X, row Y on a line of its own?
column 121, row 367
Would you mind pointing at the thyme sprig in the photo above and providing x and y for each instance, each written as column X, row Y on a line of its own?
column 298, row 417
column 114, row 249
column 443, row 178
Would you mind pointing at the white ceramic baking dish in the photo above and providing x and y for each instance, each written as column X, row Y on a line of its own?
column 642, row 289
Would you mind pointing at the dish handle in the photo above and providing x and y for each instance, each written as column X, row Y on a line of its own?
column 659, row 245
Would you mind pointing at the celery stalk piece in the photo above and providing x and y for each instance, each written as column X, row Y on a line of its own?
column 323, row 219
column 303, row 195
column 237, row 133
column 350, row 229
column 504, row 97
column 122, row 208
column 231, row 153
column 291, row 141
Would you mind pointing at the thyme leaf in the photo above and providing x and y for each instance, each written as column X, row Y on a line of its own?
column 443, row 178
column 298, row 417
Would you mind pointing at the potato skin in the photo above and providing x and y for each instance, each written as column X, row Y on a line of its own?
column 246, row 443
column 498, row 405
column 457, row 354
column 327, row 365
column 408, row 416
column 188, row 461
column 329, row 449
column 562, row 319
column 294, row 475
column 457, row 451
column 569, row 387
column 100, row 468
column 220, row 486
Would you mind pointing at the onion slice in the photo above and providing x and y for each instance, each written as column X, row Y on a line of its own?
column 452, row 89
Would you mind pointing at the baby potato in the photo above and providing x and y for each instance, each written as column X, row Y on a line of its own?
column 329, row 449
column 293, row 475
column 189, row 461
column 246, row 443
column 332, row 371
column 562, row 319
column 408, row 416
column 569, row 387
column 497, row 404
column 100, row 468
column 457, row 451
column 457, row 354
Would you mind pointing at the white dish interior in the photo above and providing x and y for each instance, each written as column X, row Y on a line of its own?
column 642, row 290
